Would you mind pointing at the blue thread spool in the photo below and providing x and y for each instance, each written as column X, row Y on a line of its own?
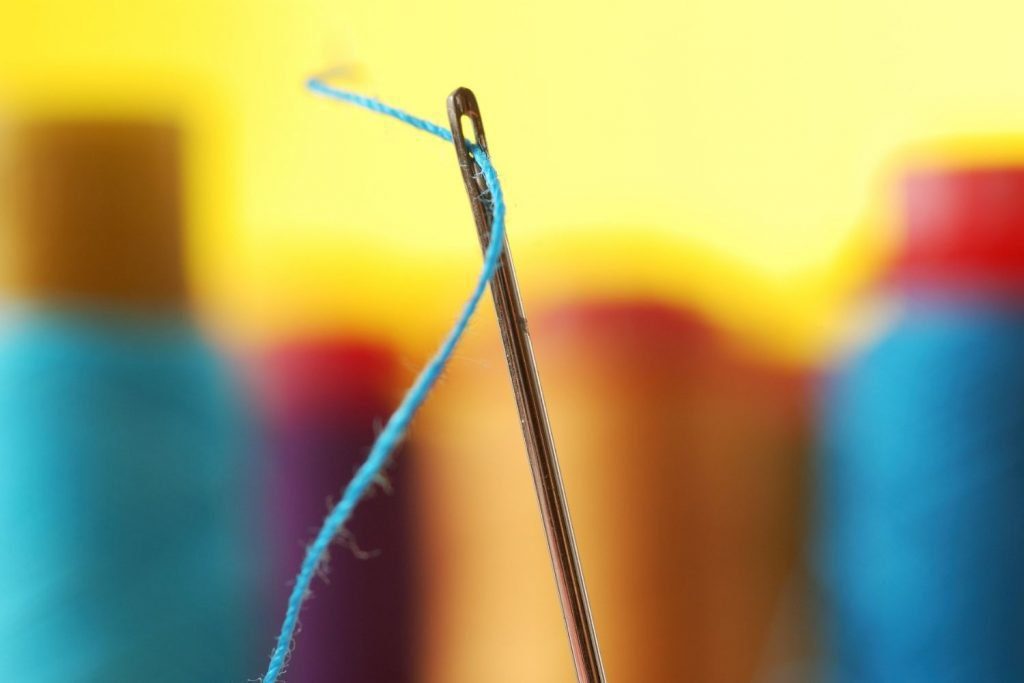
column 922, row 472
column 122, row 479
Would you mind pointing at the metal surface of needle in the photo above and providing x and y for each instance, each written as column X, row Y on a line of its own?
column 540, row 446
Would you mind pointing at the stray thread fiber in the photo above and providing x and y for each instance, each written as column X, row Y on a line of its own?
column 399, row 421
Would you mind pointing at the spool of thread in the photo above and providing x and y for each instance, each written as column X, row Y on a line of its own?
column 94, row 209
column 683, row 465
column 922, row 470
column 325, row 399
column 123, row 498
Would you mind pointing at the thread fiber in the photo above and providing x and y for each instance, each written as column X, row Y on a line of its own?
column 398, row 423
column 922, row 497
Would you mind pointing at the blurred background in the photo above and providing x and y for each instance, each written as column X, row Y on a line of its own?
column 773, row 256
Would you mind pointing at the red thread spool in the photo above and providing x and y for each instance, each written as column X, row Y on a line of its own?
column 962, row 229
column 325, row 402
column 683, row 467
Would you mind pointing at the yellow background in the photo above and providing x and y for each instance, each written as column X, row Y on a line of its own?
column 721, row 152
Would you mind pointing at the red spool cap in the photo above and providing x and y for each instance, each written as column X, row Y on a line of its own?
column 963, row 228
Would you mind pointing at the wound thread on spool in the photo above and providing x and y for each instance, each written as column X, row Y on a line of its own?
column 922, row 469
column 123, row 495
column 687, row 457
column 95, row 209
column 324, row 398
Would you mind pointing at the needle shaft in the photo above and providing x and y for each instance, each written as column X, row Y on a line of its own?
column 540, row 446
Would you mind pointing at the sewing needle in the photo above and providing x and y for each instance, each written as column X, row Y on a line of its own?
column 540, row 446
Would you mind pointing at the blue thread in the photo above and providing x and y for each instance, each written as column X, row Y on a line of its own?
column 123, row 513
column 921, row 548
column 399, row 421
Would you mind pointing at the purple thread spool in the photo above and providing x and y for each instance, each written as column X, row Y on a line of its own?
column 325, row 401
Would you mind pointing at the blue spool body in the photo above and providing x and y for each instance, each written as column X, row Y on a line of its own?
column 123, row 547
column 921, row 495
